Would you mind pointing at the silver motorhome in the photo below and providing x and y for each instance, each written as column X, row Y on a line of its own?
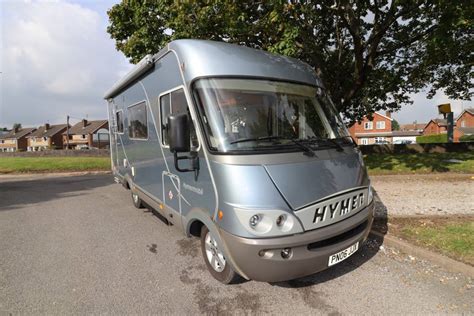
column 245, row 150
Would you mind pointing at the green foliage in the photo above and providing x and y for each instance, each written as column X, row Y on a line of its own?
column 16, row 125
column 395, row 125
column 455, row 239
column 371, row 55
column 52, row 164
column 466, row 138
column 430, row 139
column 419, row 163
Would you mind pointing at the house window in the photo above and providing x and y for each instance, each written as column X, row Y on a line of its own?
column 379, row 140
column 463, row 123
column 119, row 119
column 380, row 125
column 137, row 121
column 368, row 125
column 175, row 103
column 364, row 141
column 83, row 136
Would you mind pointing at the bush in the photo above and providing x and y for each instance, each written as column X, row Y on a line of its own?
column 430, row 139
column 466, row 138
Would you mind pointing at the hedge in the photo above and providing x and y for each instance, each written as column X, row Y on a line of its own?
column 429, row 139
column 466, row 138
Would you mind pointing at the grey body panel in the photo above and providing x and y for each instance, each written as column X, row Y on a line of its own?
column 212, row 59
column 302, row 184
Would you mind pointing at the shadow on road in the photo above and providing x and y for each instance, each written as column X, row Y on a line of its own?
column 369, row 250
column 17, row 193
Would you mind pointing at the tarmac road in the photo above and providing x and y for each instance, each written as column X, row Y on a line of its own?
column 76, row 245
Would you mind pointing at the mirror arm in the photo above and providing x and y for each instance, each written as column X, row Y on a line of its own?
column 194, row 160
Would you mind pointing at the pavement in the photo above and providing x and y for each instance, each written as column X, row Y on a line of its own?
column 76, row 245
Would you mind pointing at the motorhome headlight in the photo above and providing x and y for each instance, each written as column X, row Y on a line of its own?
column 254, row 220
column 268, row 222
column 371, row 195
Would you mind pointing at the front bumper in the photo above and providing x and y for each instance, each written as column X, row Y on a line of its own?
column 260, row 259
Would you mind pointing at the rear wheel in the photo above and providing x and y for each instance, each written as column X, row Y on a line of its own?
column 137, row 202
column 214, row 258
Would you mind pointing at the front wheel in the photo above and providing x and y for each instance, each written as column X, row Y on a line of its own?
column 214, row 258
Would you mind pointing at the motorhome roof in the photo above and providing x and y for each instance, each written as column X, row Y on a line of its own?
column 200, row 58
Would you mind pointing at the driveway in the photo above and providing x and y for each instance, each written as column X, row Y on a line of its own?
column 76, row 245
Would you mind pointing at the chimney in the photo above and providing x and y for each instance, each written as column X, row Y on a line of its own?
column 388, row 114
column 84, row 123
column 16, row 130
column 46, row 126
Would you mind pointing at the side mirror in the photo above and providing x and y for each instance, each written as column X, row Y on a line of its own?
column 178, row 133
column 179, row 137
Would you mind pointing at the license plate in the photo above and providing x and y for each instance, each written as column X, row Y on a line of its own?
column 343, row 255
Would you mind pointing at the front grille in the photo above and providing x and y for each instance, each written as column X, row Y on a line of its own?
column 341, row 237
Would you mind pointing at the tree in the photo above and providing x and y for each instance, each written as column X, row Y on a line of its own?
column 16, row 126
column 370, row 54
column 395, row 125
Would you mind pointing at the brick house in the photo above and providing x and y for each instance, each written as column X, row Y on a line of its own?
column 464, row 124
column 46, row 137
column 87, row 134
column 15, row 140
column 414, row 127
column 436, row 126
column 375, row 131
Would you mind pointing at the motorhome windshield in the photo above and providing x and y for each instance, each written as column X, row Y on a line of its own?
column 254, row 115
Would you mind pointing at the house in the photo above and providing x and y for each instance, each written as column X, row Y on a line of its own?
column 418, row 127
column 436, row 126
column 87, row 134
column 46, row 137
column 405, row 137
column 15, row 140
column 375, row 131
column 464, row 124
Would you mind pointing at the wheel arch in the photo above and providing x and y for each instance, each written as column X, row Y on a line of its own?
column 199, row 217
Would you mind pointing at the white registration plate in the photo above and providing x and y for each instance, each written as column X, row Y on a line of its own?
column 343, row 255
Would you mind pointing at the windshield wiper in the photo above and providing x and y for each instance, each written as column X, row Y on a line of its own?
column 255, row 139
column 307, row 151
column 330, row 140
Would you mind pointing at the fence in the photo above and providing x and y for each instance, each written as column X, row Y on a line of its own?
column 417, row 148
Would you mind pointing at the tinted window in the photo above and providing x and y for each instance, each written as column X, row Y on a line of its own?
column 137, row 122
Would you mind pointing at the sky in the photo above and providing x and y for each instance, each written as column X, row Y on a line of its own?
column 57, row 59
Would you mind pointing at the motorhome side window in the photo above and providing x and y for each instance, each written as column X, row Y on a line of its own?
column 137, row 122
column 119, row 119
column 175, row 103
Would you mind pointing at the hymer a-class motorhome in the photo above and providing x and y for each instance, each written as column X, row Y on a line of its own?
column 243, row 149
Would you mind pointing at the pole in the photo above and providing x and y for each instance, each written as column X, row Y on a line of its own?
column 450, row 122
column 67, row 133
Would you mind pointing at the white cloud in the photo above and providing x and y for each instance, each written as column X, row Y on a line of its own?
column 57, row 59
column 423, row 109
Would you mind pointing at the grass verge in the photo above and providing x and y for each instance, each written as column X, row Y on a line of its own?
column 53, row 164
column 451, row 236
column 378, row 164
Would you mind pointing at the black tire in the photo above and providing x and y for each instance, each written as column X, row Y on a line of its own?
column 227, row 275
column 137, row 202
